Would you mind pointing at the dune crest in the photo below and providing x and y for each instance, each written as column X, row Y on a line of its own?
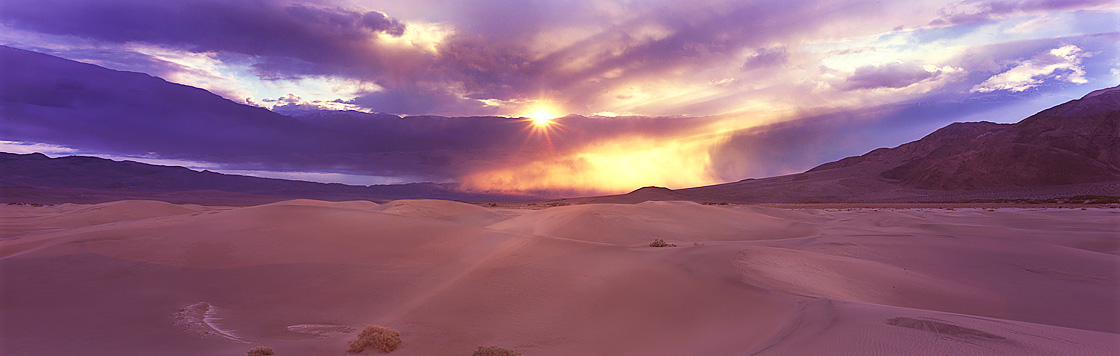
column 442, row 210
column 353, row 204
column 675, row 222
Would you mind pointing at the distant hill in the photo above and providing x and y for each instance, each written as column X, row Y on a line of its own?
column 1070, row 149
column 36, row 178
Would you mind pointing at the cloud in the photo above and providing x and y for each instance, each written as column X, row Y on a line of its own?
column 346, row 22
column 1061, row 64
column 976, row 11
column 291, row 104
column 891, row 75
column 416, row 101
column 250, row 27
column 496, row 56
column 655, row 57
column 767, row 57
column 325, row 36
column 33, row 147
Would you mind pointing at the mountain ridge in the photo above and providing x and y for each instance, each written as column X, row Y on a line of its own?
column 137, row 180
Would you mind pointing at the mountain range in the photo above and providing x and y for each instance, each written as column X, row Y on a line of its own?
column 37, row 178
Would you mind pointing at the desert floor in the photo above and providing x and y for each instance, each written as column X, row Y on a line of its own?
column 303, row 276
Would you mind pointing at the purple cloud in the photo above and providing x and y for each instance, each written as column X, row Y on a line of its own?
column 492, row 49
column 321, row 35
column 420, row 102
column 767, row 57
column 891, row 75
column 975, row 11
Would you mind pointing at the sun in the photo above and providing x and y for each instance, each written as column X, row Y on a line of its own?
column 541, row 120
column 541, row 123
column 541, row 116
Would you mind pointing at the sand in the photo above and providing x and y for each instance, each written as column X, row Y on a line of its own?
column 304, row 276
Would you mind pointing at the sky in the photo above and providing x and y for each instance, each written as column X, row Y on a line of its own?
column 668, row 93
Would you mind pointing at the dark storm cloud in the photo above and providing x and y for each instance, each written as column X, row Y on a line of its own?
column 320, row 35
column 288, row 42
column 891, row 75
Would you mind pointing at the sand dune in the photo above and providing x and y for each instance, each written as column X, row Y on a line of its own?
column 678, row 222
column 852, row 279
column 444, row 210
column 354, row 205
column 304, row 276
column 830, row 327
column 1008, row 256
column 73, row 216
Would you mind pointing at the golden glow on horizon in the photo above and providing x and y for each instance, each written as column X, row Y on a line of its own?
column 622, row 164
column 614, row 166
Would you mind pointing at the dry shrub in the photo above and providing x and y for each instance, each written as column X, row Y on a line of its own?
column 495, row 351
column 380, row 337
column 261, row 351
column 661, row 243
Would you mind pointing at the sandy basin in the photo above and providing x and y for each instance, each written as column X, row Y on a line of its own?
column 304, row 276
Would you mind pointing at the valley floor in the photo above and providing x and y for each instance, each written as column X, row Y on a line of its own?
column 304, row 276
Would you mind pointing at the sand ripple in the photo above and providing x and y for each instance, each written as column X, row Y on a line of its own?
column 202, row 318
column 320, row 329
